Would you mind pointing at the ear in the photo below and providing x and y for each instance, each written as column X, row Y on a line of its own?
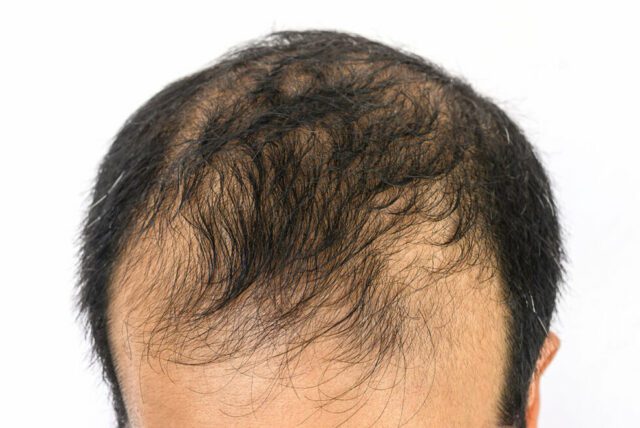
column 548, row 351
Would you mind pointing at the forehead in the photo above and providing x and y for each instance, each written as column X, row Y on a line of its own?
column 453, row 336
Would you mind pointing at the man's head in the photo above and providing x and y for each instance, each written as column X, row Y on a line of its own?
column 321, row 230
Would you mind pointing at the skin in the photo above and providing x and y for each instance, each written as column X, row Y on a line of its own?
column 547, row 354
column 454, row 379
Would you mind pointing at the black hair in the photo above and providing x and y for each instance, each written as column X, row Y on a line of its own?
column 299, row 159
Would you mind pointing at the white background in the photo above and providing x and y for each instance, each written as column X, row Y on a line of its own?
column 70, row 74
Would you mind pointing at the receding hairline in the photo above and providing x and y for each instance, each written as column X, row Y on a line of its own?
column 167, row 242
column 162, row 120
column 213, row 100
column 455, row 333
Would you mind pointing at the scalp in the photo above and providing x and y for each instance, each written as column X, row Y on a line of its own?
column 282, row 207
column 315, row 189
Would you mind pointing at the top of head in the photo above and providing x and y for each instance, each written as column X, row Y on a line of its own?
column 322, row 217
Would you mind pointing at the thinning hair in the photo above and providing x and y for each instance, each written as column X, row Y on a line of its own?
column 265, row 194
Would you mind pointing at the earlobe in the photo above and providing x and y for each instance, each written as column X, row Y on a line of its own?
column 547, row 353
